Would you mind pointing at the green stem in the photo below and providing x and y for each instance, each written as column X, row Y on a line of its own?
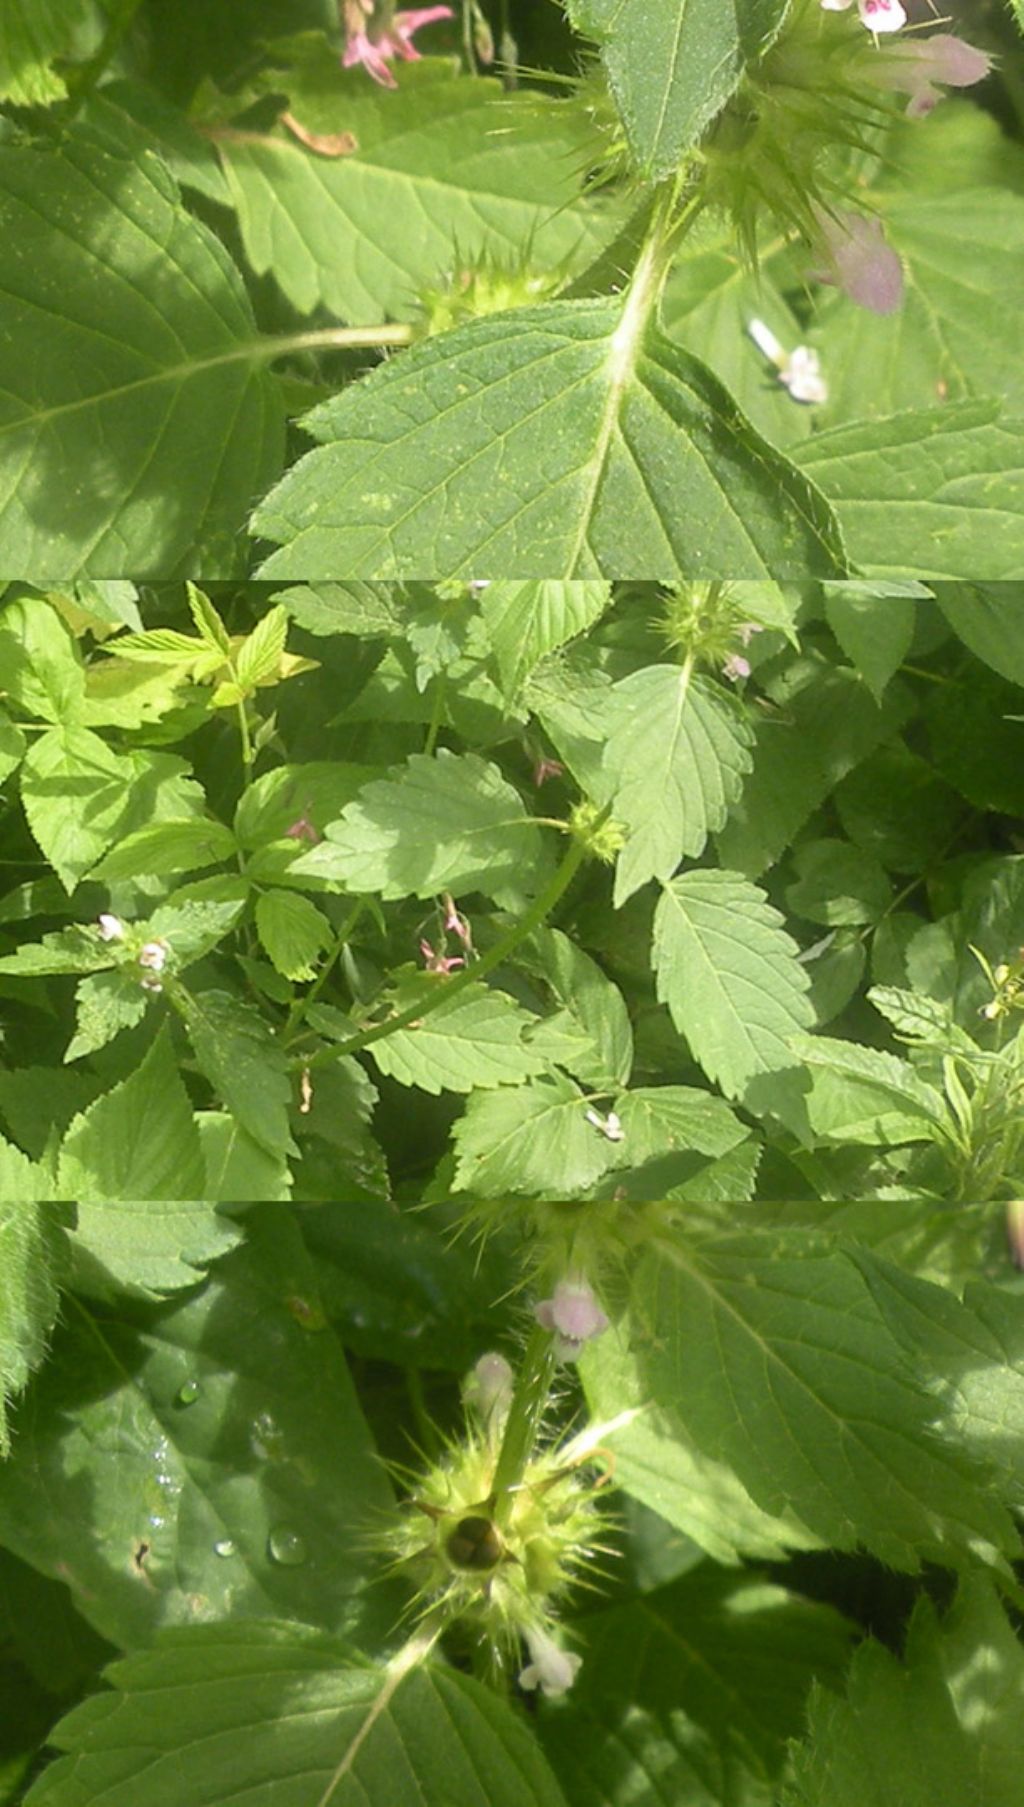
column 243, row 729
column 436, row 714
column 443, row 994
column 533, row 1384
column 82, row 81
column 301, row 1005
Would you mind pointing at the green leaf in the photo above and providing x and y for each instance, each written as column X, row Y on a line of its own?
column 292, row 1722
column 861, row 1094
column 163, row 847
column 75, row 791
column 33, row 34
column 659, row 1119
column 989, row 622
column 146, row 1250
column 527, row 621
column 12, row 745
column 450, row 822
column 138, row 1141
column 730, row 976
column 476, row 1040
column 493, row 177
column 244, row 1064
column 106, row 1003
column 838, row 884
column 718, row 1667
column 672, row 68
column 168, row 1444
column 875, row 633
column 196, row 918
column 868, row 1745
column 535, row 1140
column 71, row 950
column 363, row 609
column 897, row 808
column 588, row 1001
column 926, row 494
column 559, row 439
column 676, row 752
column 39, row 663
column 209, row 625
column 190, row 424
column 33, row 1267
column 293, row 932
column 259, row 655
column 778, row 1359
column 238, row 1170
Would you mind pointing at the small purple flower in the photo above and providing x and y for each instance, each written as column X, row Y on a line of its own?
column 394, row 40
column 923, row 68
column 736, row 667
column 302, row 829
column 855, row 258
column 573, row 1315
column 111, row 928
column 546, row 768
column 877, row 15
column 551, row 1669
column 439, row 962
column 454, row 921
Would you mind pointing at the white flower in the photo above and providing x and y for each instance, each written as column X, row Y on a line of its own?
column 551, row 1669
column 799, row 370
column 609, row 1126
column 573, row 1315
column 877, row 15
column 111, row 927
column 153, row 954
column 488, row 1388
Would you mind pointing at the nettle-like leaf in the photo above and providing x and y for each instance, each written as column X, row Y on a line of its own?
column 778, row 1360
column 560, row 439
column 533, row 1139
column 463, row 164
column 144, row 1249
column 876, row 640
column 730, row 976
column 476, row 1040
column 587, row 1001
column 245, row 1065
column 292, row 1717
column 676, row 752
column 203, row 1458
column 150, row 352
column 293, row 932
column 33, row 35
column 866, row 1742
column 990, row 623
column 138, row 1141
column 34, row 1263
column 527, row 621
column 448, row 822
column 672, row 68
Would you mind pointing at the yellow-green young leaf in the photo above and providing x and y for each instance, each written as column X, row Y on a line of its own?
column 730, row 976
column 165, row 646
column 294, row 933
column 40, row 666
column 865, row 1095
column 259, row 655
column 33, row 34
column 75, row 791
column 560, row 440
column 911, row 1732
column 208, row 623
column 178, row 395
column 526, row 621
column 138, row 1141
column 33, row 1265
column 293, row 1723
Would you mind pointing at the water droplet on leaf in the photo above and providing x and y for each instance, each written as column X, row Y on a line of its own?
column 225, row 1546
column 286, row 1547
column 187, row 1393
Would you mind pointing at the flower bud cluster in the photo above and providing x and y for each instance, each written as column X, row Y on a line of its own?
column 144, row 959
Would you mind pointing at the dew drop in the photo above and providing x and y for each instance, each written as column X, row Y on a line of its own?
column 225, row 1546
column 286, row 1547
column 187, row 1393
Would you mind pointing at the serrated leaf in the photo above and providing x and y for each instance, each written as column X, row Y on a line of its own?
column 875, row 633
column 465, row 165
column 144, row 1250
column 292, row 931
column 928, row 493
column 209, row 625
column 33, row 35
column 40, row 667
column 137, row 1141
column 672, row 68
column 838, row 884
column 450, row 822
column 730, row 976
column 676, row 752
column 238, row 1170
column 164, row 847
column 659, row 1119
column 72, row 950
column 589, row 1002
column 990, row 623
column 778, row 1360
column 212, row 1420
column 259, row 655
column 560, row 439
column 190, row 424
column 33, row 1267
column 525, row 622
column 196, row 918
column 105, row 1003
column 534, row 1139
column 293, row 1722
column 869, row 1744
column 861, row 1094
column 74, row 790
column 331, row 608
column 476, row 1040
column 245, row 1065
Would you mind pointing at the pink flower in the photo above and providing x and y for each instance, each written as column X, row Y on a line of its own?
column 736, row 667
column 303, row 830
column 394, row 40
column 454, row 921
column 546, row 768
column 877, row 15
column 923, row 68
column 573, row 1315
column 439, row 962
column 857, row 260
